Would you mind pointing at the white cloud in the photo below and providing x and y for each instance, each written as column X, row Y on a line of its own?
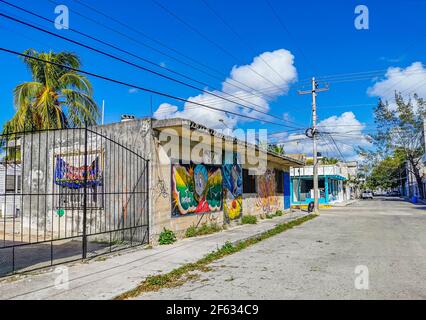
column 346, row 131
column 133, row 90
column 264, row 66
column 407, row 81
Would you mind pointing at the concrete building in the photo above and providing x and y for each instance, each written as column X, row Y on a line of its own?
column 253, row 181
column 337, row 183
column 143, row 173
column 10, row 189
column 331, row 180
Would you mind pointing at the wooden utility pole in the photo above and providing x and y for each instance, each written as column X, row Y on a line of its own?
column 314, row 92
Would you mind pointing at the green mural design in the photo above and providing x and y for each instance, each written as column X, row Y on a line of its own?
column 196, row 189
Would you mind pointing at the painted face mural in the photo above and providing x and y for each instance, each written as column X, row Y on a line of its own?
column 233, row 192
column 267, row 200
column 196, row 189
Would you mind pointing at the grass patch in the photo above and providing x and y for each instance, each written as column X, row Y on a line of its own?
column 277, row 213
column 179, row 276
column 249, row 220
column 203, row 230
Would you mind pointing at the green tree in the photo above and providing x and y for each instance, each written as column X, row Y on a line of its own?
column 279, row 149
column 386, row 173
column 56, row 98
column 328, row 161
column 400, row 130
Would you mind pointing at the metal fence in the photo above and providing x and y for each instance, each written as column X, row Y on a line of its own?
column 67, row 195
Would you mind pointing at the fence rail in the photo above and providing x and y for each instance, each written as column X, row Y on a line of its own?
column 69, row 194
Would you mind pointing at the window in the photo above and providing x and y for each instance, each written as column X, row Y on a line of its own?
column 279, row 181
column 13, row 183
column 249, row 182
column 69, row 198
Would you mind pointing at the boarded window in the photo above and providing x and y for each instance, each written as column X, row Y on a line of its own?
column 279, row 181
column 71, row 199
column 249, row 182
column 13, row 183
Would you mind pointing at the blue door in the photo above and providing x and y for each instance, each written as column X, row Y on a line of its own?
column 287, row 191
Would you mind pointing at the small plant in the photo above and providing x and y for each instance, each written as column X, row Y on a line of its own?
column 228, row 247
column 279, row 213
column 167, row 237
column 270, row 216
column 203, row 230
column 249, row 220
column 191, row 232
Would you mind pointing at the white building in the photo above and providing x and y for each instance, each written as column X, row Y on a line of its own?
column 10, row 190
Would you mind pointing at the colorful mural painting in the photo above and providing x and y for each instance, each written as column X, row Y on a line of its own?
column 77, row 177
column 232, row 192
column 196, row 189
column 267, row 200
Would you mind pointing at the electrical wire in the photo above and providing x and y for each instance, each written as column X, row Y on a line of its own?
column 200, row 34
column 131, row 54
column 133, row 64
column 238, row 36
column 231, row 82
column 136, row 86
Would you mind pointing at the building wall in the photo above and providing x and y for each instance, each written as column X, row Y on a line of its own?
column 139, row 136
column 162, row 194
column 119, row 148
column 10, row 204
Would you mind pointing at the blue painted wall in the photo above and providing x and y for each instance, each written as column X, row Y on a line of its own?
column 287, row 190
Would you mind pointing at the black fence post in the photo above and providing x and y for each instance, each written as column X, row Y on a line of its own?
column 85, row 196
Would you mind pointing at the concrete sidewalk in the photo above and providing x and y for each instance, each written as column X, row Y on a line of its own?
column 345, row 203
column 122, row 272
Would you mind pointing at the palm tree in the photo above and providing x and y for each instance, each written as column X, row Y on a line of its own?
column 279, row 149
column 56, row 98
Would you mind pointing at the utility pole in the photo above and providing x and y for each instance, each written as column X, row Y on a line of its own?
column 314, row 91
column 103, row 112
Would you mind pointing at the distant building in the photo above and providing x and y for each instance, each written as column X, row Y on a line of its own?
column 331, row 184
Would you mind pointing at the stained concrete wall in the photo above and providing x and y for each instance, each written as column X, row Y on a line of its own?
column 121, row 147
column 162, row 197
column 139, row 137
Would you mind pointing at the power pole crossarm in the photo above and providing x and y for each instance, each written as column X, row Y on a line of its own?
column 314, row 92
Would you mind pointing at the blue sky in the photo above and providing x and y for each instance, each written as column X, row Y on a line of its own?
column 321, row 36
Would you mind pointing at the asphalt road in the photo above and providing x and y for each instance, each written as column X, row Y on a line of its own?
column 384, row 237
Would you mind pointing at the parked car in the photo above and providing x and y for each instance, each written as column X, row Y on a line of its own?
column 394, row 194
column 367, row 195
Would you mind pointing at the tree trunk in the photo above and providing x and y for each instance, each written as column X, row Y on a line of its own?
column 419, row 180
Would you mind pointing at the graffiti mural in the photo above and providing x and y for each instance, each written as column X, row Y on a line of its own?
column 196, row 189
column 77, row 177
column 71, row 176
column 232, row 192
column 267, row 201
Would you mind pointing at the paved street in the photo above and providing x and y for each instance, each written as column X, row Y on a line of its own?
column 317, row 260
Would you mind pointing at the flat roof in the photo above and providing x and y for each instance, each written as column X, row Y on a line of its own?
column 179, row 122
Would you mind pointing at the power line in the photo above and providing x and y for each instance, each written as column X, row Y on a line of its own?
column 135, row 65
column 337, row 147
column 238, row 36
column 200, row 34
column 284, row 27
column 231, row 82
column 136, row 86
column 129, row 53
